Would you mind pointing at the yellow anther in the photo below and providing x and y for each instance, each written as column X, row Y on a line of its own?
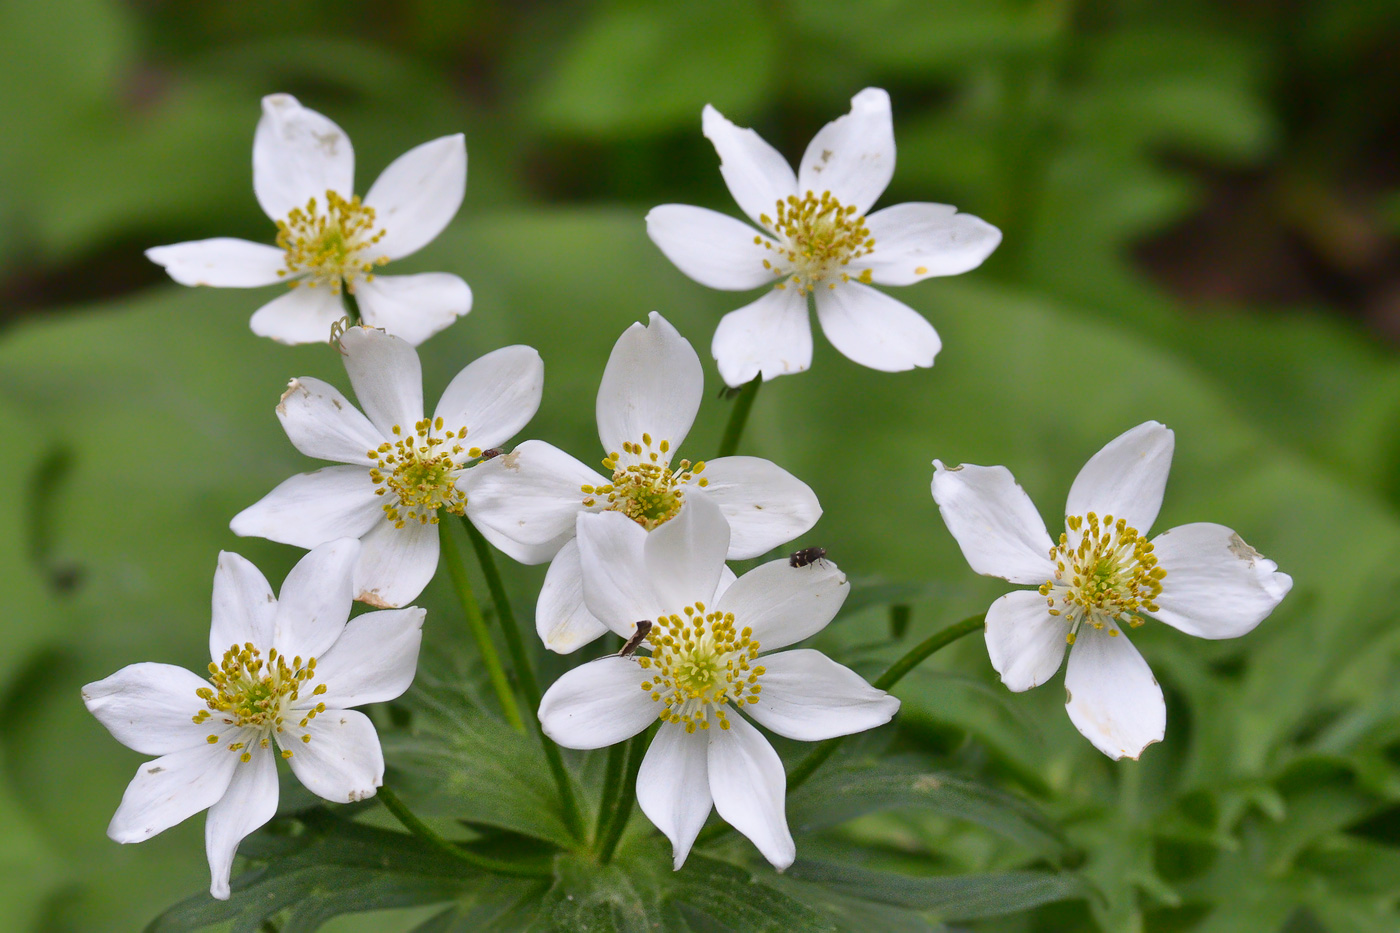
column 1106, row 575
column 816, row 238
column 330, row 247
column 417, row 474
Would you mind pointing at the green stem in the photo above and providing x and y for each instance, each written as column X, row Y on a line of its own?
column 739, row 417
column 422, row 830
column 457, row 570
column 525, row 677
column 612, row 779
column 885, row 681
column 626, row 796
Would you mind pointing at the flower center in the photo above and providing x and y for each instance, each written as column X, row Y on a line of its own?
column 333, row 246
column 252, row 693
column 1105, row 576
column 647, row 490
column 701, row 663
column 817, row 239
column 418, row 473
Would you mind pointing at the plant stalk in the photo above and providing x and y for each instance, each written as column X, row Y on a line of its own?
column 422, row 830
column 729, row 442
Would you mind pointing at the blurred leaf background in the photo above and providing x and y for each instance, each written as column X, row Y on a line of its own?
column 1201, row 209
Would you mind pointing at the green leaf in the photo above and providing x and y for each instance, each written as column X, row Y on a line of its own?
column 841, row 794
column 966, row 897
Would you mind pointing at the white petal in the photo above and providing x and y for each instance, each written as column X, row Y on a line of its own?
column 1111, row 695
column 251, row 800
column 771, row 335
column 873, row 329
column 387, row 377
column 757, row 175
column 673, row 787
column 494, row 396
column 852, row 156
column 917, row 240
column 685, row 556
column 343, row 761
column 149, row 707
column 312, row 508
column 298, row 154
column 223, row 262
column 170, row 790
column 599, row 703
column 616, row 585
column 526, row 501
column 315, row 599
column 1024, row 641
column 561, row 616
column 302, row 315
column 785, row 604
column 396, row 563
column 1216, row 585
column 809, row 697
column 373, row 660
column 243, row 608
column 413, row 307
column 418, row 194
column 652, row 385
column 321, row 423
column 996, row 525
column 712, row 248
column 1127, row 478
column 750, row 789
column 764, row 504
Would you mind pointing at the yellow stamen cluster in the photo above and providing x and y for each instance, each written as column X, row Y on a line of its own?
column 420, row 471
column 333, row 246
column 1105, row 576
column 251, row 692
column 647, row 490
column 818, row 238
column 701, row 663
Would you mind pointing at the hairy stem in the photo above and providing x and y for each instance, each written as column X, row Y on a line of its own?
column 525, row 677
column 739, row 417
column 457, row 570
column 422, row 830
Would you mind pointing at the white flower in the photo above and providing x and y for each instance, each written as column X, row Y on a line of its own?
column 815, row 239
column 328, row 239
column 284, row 676
column 1100, row 579
column 527, row 502
column 401, row 467
column 703, row 664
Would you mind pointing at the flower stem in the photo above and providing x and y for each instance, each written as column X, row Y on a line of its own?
column 621, row 812
column 885, row 681
column 457, row 570
column 525, row 677
column 422, row 830
column 612, row 779
column 739, row 417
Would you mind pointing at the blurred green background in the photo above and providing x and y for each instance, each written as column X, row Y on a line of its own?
column 1201, row 210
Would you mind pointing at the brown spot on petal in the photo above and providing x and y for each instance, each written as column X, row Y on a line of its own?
column 372, row 598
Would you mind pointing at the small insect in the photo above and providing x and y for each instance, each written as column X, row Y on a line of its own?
column 635, row 641
column 808, row 555
column 491, row 453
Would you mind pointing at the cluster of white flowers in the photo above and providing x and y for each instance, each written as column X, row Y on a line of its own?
column 639, row 550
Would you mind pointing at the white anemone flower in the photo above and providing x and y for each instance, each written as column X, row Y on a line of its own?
column 816, row 238
column 1100, row 579
column 329, row 240
column 285, row 673
column 400, row 468
column 526, row 502
column 699, row 664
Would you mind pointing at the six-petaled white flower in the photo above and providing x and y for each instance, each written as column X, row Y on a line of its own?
column 1100, row 579
column 816, row 239
column 700, row 663
column 329, row 240
column 284, row 676
column 527, row 501
column 401, row 468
